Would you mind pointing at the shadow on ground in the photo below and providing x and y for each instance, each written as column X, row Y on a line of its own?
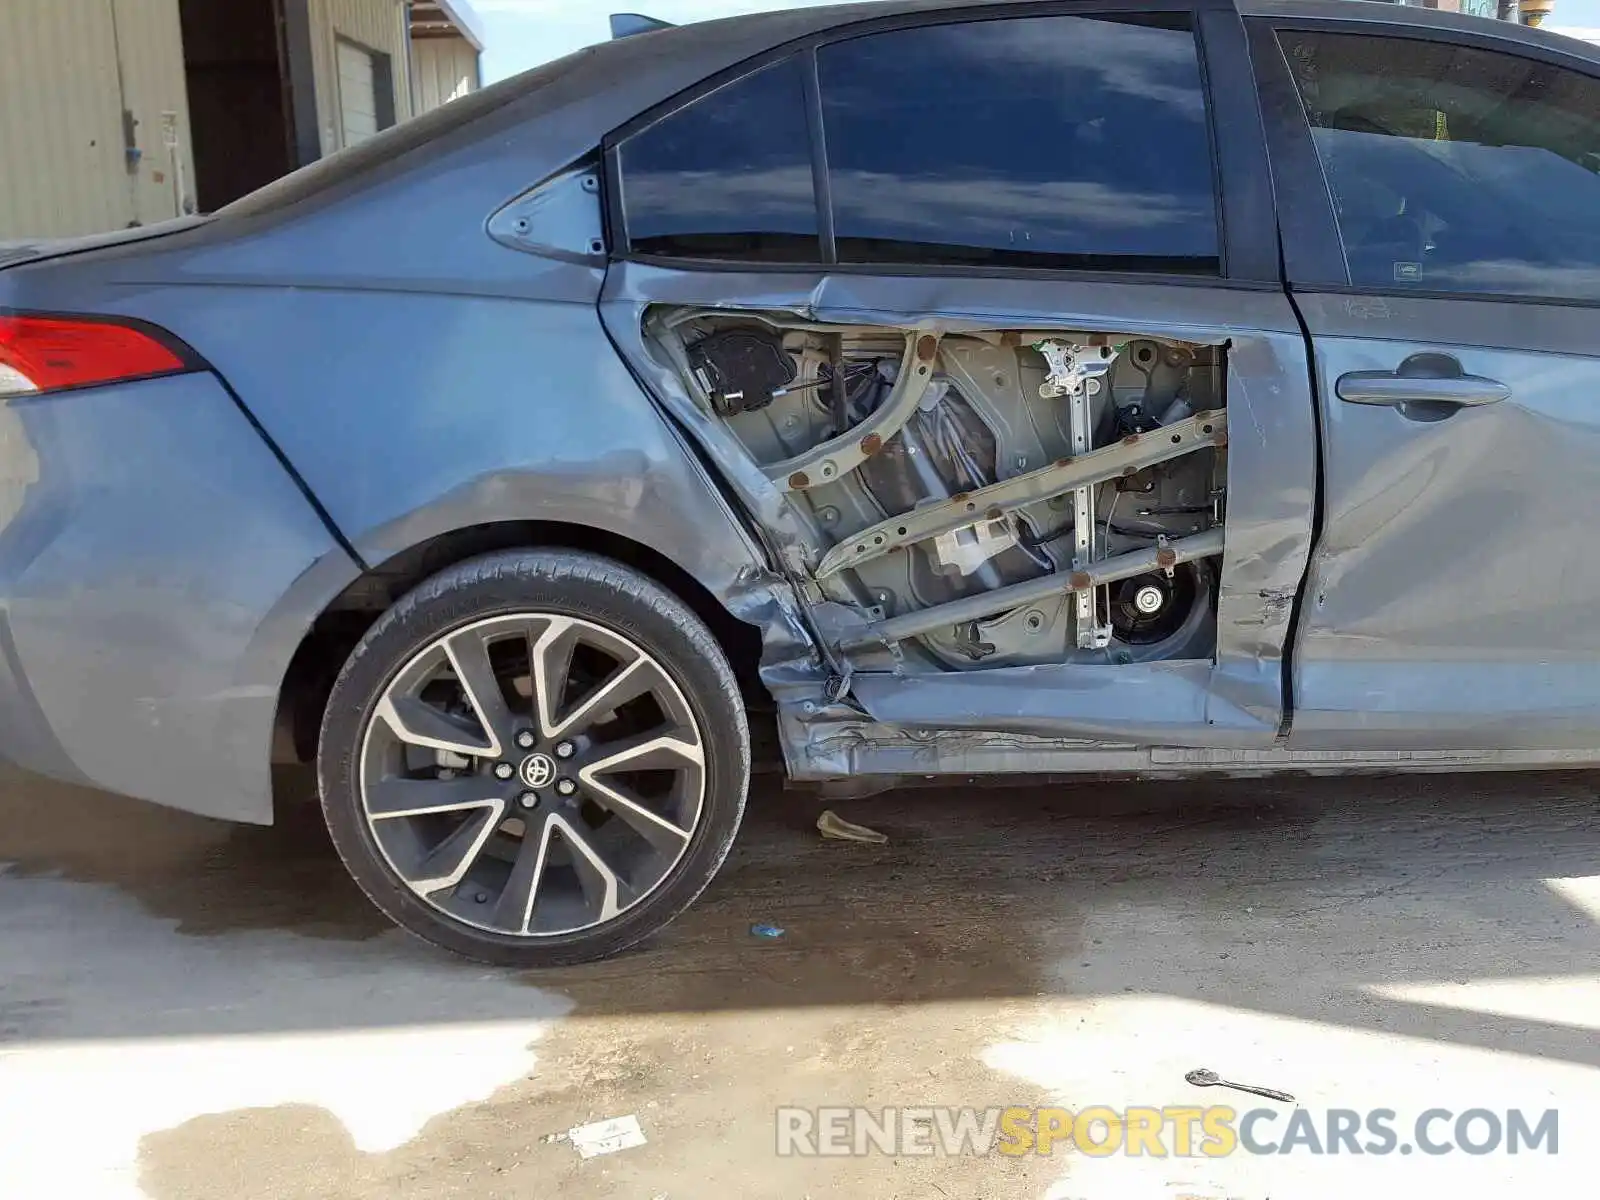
column 991, row 893
column 211, row 877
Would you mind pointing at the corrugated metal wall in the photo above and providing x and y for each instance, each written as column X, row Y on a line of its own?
column 67, row 68
column 443, row 69
column 376, row 24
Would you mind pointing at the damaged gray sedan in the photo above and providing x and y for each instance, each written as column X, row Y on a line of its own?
column 911, row 390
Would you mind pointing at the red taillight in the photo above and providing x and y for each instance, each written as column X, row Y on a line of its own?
column 45, row 354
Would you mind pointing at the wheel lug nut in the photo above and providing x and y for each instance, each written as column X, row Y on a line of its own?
column 525, row 739
column 528, row 799
column 566, row 787
column 566, row 750
column 504, row 770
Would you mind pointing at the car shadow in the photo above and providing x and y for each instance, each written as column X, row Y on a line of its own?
column 209, row 877
column 1321, row 893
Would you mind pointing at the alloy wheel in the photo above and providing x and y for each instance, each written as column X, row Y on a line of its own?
column 533, row 774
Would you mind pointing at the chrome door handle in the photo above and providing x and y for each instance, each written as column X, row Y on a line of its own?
column 1434, row 383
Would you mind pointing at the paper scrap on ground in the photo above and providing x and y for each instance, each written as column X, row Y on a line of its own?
column 831, row 825
column 607, row 1137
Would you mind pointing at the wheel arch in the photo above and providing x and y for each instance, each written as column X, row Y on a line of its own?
column 333, row 635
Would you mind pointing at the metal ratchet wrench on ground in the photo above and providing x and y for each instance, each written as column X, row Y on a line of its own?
column 1205, row 1078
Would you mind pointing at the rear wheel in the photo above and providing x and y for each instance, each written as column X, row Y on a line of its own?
column 535, row 758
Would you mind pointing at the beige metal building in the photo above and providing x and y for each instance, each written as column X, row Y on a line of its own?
column 446, row 42
column 359, row 52
column 122, row 112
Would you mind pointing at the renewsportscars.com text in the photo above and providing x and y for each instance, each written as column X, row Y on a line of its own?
column 1171, row 1131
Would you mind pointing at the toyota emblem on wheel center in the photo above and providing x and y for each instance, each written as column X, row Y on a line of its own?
column 537, row 771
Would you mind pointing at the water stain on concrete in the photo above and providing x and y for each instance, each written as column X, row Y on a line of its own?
column 704, row 1087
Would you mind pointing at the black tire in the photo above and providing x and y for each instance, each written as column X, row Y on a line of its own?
column 572, row 584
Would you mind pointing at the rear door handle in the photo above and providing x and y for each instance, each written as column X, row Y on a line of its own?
column 1425, row 387
column 1385, row 387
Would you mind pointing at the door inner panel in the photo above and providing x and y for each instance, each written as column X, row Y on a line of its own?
column 983, row 498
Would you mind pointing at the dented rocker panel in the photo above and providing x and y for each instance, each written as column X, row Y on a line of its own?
column 882, row 756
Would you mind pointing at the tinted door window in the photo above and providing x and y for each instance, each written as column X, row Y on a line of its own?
column 1455, row 169
column 728, row 177
column 1046, row 142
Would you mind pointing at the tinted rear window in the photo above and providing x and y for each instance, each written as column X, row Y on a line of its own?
column 1045, row 142
column 727, row 177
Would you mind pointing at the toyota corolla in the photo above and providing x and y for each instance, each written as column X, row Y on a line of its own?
column 1139, row 387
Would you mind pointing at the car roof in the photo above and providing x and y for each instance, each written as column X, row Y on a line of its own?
column 550, row 117
column 1401, row 16
column 785, row 24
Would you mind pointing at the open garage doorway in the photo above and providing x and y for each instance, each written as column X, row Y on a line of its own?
column 241, row 104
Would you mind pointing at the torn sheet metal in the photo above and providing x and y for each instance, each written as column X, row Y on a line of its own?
column 791, row 534
column 1272, row 482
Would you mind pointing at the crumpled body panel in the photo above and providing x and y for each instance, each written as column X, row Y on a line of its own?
column 1231, row 697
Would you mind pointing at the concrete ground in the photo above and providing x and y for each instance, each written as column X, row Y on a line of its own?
column 193, row 1010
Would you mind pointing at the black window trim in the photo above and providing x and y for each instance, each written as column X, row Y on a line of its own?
column 1320, row 265
column 1247, row 240
column 821, row 177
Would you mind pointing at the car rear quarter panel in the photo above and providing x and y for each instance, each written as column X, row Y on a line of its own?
column 162, row 569
column 149, row 539
column 411, row 415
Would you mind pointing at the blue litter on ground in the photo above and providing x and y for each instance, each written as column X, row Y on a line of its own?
column 766, row 931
